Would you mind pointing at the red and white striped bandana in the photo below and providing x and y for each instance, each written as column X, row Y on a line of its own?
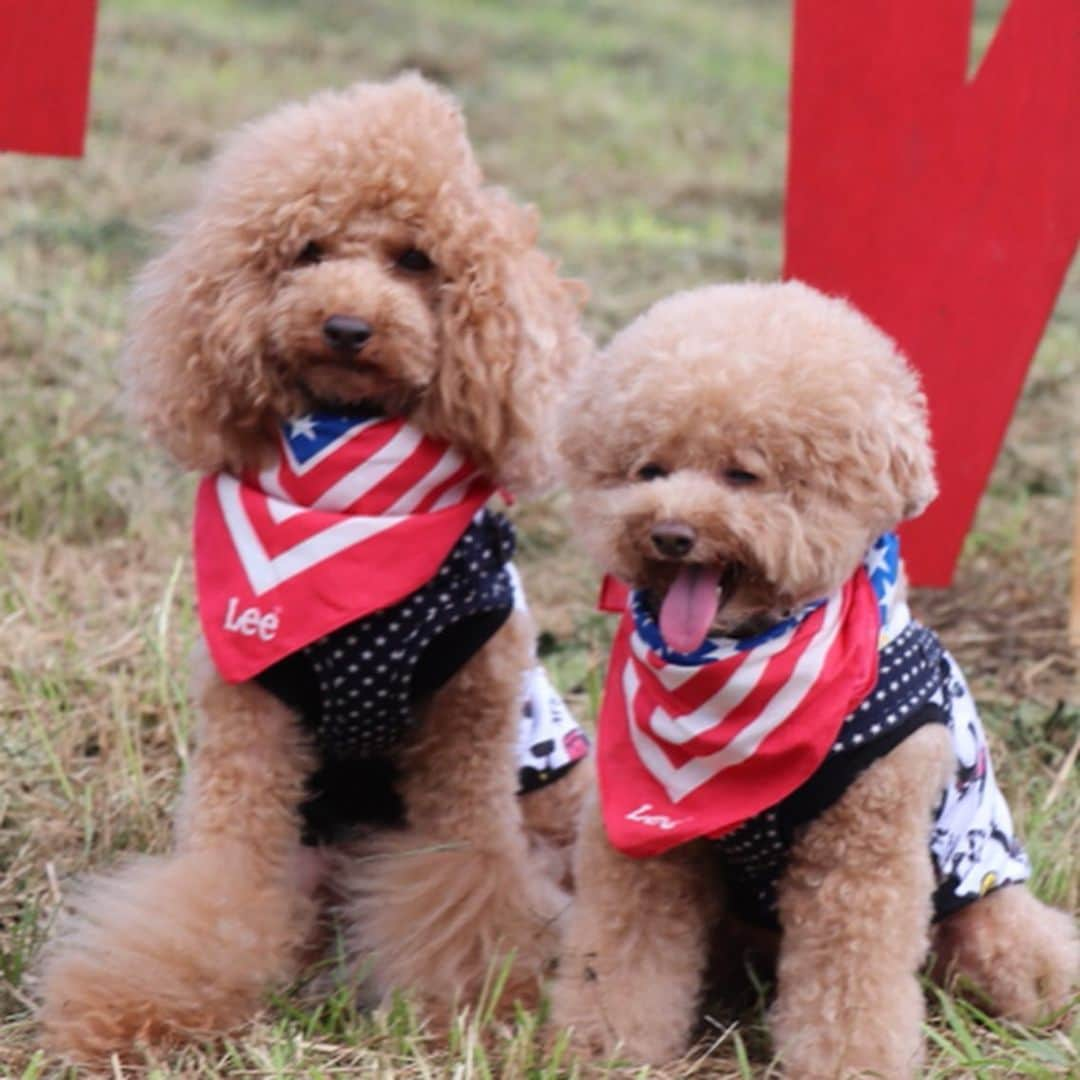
column 693, row 745
column 354, row 515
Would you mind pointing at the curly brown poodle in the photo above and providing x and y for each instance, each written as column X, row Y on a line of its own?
column 345, row 259
column 781, row 747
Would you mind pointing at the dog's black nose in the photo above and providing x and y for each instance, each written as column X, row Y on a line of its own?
column 346, row 333
column 673, row 539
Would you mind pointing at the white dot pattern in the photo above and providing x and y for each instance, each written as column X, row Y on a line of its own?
column 365, row 670
column 913, row 663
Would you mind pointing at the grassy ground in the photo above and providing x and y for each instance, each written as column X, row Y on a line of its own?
column 652, row 138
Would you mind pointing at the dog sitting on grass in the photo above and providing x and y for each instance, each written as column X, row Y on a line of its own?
column 740, row 456
column 356, row 342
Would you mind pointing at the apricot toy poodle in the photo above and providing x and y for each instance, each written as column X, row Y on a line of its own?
column 776, row 729
column 356, row 342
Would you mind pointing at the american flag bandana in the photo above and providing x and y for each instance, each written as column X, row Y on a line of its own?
column 692, row 745
column 355, row 513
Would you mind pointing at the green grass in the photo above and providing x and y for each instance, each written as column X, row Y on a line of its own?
column 651, row 136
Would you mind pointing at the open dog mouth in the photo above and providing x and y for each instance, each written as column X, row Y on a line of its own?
column 692, row 602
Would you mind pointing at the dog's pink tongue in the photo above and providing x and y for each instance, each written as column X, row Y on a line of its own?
column 689, row 608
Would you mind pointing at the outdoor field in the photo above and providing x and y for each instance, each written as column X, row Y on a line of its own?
column 652, row 139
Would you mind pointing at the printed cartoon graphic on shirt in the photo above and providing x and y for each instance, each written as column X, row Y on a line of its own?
column 973, row 843
column 550, row 739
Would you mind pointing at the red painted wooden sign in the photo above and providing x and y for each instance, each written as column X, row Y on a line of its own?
column 45, row 53
column 946, row 208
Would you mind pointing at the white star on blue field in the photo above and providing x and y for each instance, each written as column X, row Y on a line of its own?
column 302, row 425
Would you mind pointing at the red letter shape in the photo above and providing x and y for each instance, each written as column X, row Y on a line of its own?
column 45, row 52
column 948, row 211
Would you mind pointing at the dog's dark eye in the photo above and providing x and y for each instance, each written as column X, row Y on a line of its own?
column 310, row 254
column 651, row 471
column 415, row 261
column 740, row 477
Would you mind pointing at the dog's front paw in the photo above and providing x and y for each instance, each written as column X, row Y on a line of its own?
column 600, row 1019
column 580, row 1027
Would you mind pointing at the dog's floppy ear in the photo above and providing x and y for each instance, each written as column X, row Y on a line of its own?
column 510, row 337
column 911, row 457
column 195, row 352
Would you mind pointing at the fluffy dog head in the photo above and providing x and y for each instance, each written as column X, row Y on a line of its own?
column 346, row 250
column 737, row 448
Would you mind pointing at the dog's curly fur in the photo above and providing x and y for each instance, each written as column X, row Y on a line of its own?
column 305, row 214
column 805, row 397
